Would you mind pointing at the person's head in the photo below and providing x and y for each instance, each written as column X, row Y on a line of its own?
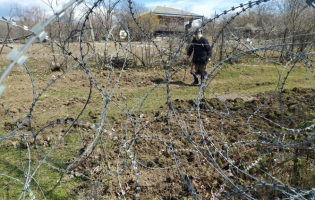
column 198, row 33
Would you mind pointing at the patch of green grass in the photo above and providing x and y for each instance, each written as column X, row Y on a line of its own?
column 241, row 79
column 54, row 184
column 61, row 94
column 253, row 79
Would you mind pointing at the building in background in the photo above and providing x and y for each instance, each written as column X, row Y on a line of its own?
column 165, row 21
column 172, row 21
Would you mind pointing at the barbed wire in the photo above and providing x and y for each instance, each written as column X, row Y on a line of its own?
column 238, row 164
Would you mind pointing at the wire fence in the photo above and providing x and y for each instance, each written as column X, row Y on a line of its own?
column 215, row 148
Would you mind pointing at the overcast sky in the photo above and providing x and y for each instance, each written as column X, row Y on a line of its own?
column 5, row 5
column 200, row 7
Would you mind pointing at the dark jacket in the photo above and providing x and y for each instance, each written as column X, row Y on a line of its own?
column 202, row 51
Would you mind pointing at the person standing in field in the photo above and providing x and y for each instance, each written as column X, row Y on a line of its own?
column 202, row 55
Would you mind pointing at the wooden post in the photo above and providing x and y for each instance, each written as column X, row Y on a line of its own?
column 221, row 48
column 93, row 39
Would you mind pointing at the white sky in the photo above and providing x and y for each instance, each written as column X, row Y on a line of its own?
column 5, row 5
column 200, row 7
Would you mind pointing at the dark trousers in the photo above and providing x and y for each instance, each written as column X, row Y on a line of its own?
column 199, row 69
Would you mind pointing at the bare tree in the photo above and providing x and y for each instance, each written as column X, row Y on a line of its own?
column 26, row 16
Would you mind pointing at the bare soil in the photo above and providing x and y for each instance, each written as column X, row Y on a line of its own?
column 227, row 120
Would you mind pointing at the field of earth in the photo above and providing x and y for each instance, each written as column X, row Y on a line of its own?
column 243, row 101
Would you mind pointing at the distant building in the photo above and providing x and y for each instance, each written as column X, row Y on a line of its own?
column 172, row 20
